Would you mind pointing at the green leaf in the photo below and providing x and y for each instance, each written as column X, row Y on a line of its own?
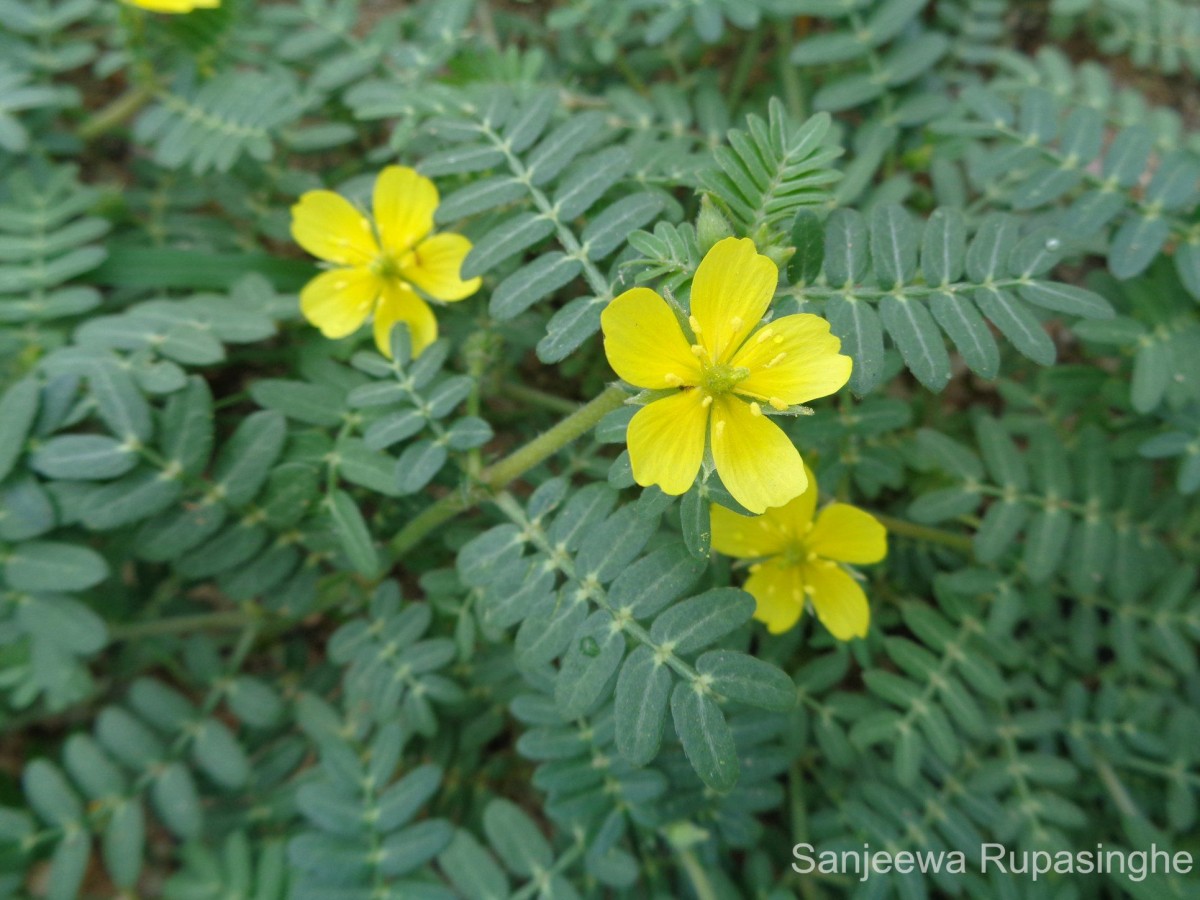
column 245, row 460
column 137, row 496
column 412, row 847
column 51, row 795
column 640, row 708
column 846, row 248
column 517, row 233
column 592, row 659
column 695, row 515
column 176, row 801
column 857, row 324
column 480, row 196
column 50, row 566
column 614, row 544
column 808, row 237
column 1017, row 324
column 119, row 402
column 920, row 343
column 569, row 327
column 352, row 533
column 472, row 870
column 68, row 865
column 944, row 247
column 991, row 248
column 1046, row 543
column 705, row 735
column 1136, row 244
column 893, row 245
column 314, row 404
column 516, row 839
column 18, row 409
column 1066, row 298
column 702, row 620
column 655, row 581
column 746, row 679
column 83, row 456
column 418, row 465
column 531, row 283
column 588, row 180
column 958, row 317
column 124, row 843
column 611, row 228
column 218, row 753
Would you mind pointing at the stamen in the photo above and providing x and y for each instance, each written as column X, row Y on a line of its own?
column 776, row 403
column 736, row 322
column 707, row 401
column 765, row 334
column 672, row 379
column 719, row 428
column 697, row 350
column 755, row 409
column 775, row 359
column 695, row 323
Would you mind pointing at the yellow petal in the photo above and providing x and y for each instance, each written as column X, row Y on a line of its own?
column 747, row 537
column 793, row 360
column 174, row 6
column 733, row 286
column 339, row 301
column 404, row 203
column 778, row 591
column 838, row 599
column 847, row 534
column 666, row 441
column 401, row 304
column 644, row 343
column 329, row 227
column 757, row 462
column 435, row 264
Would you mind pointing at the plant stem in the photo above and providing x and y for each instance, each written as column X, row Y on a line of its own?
column 553, row 402
column 925, row 533
column 498, row 475
column 699, row 878
column 114, row 113
column 234, row 618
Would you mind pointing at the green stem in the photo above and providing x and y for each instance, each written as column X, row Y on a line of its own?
column 234, row 618
column 552, row 402
column 925, row 533
column 695, row 872
column 115, row 113
column 789, row 75
column 498, row 475
column 745, row 62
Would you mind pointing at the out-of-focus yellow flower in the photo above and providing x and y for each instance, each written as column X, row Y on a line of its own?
column 715, row 381
column 800, row 561
column 379, row 269
column 173, row 6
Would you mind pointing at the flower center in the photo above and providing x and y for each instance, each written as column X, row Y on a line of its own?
column 720, row 378
column 795, row 554
column 388, row 266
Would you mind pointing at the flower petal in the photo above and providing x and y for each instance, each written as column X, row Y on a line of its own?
column 778, row 591
column 793, row 360
column 838, row 600
column 329, row 227
column 757, row 462
column 644, row 343
column 847, row 534
column 339, row 301
column 404, row 203
column 435, row 264
column 666, row 441
column 748, row 537
column 732, row 289
column 401, row 304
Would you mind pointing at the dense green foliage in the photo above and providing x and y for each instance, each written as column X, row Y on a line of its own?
column 280, row 617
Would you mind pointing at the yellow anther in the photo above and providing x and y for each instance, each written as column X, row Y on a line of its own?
column 776, row 403
column 776, row 358
column 719, row 428
column 672, row 379
column 695, row 323
column 755, row 409
column 765, row 334
column 697, row 350
column 707, row 401
column 736, row 322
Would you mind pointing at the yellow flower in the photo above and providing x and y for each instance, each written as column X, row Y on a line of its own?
column 174, row 6
column 800, row 560
column 717, row 379
column 379, row 269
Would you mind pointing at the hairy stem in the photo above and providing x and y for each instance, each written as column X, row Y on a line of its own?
column 925, row 533
column 498, row 475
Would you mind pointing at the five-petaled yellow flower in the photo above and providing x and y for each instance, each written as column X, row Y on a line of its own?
column 718, row 378
column 174, row 6
column 800, row 561
column 379, row 270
